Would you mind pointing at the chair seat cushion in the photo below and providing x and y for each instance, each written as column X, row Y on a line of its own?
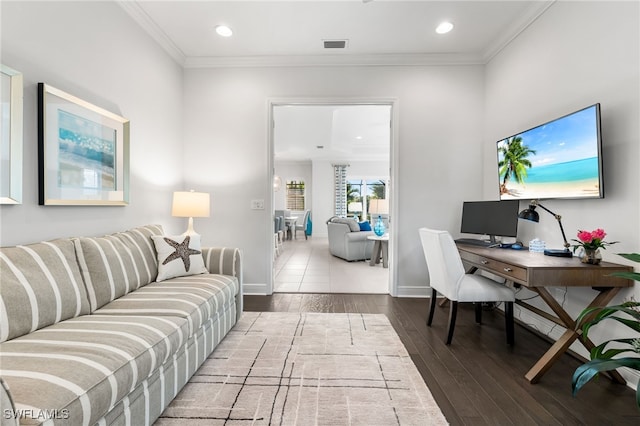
column 476, row 288
column 82, row 367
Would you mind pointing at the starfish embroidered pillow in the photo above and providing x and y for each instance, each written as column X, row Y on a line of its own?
column 178, row 256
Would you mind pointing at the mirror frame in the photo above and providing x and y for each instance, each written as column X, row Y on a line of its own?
column 13, row 143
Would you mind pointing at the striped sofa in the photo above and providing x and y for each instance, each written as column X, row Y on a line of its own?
column 88, row 337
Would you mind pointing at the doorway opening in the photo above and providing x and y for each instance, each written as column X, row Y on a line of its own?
column 309, row 142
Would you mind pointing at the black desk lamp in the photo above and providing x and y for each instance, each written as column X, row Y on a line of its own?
column 532, row 215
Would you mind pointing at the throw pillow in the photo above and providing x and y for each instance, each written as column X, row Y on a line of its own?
column 365, row 226
column 178, row 256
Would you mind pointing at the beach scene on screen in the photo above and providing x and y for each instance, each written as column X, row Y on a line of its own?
column 556, row 160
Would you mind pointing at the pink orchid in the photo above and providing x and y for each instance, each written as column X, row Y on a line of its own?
column 599, row 234
column 591, row 240
column 585, row 236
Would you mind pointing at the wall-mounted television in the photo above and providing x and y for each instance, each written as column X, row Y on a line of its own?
column 558, row 159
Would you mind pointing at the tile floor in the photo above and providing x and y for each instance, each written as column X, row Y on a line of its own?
column 306, row 266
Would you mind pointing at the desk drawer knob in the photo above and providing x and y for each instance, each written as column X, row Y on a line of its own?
column 485, row 262
column 508, row 270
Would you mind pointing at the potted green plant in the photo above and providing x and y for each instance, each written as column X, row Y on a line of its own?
column 602, row 358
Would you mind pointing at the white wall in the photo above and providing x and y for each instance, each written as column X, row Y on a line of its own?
column 576, row 54
column 439, row 144
column 93, row 50
column 323, row 196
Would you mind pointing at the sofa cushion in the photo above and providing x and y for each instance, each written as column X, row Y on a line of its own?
column 353, row 225
column 117, row 264
column 82, row 367
column 195, row 298
column 41, row 285
column 178, row 256
column 138, row 240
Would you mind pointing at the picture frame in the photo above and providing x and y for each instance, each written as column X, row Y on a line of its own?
column 83, row 152
column 11, row 141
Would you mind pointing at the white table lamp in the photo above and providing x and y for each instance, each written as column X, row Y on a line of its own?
column 378, row 206
column 190, row 204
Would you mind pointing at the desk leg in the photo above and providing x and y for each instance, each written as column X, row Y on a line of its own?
column 569, row 336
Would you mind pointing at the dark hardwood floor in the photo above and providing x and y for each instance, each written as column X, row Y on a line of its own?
column 478, row 379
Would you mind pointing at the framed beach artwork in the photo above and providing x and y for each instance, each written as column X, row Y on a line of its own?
column 83, row 152
column 11, row 142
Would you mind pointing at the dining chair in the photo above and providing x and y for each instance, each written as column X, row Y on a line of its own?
column 447, row 277
column 303, row 225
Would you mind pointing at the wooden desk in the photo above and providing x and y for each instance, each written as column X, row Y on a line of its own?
column 537, row 272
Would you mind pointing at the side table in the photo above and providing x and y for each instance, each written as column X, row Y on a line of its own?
column 380, row 249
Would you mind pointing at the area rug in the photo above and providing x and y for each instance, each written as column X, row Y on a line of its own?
column 277, row 368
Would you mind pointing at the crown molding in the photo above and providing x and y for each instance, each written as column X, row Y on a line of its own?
column 516, row 28
column 138, row 14
column 149, row 25
column 332, row 60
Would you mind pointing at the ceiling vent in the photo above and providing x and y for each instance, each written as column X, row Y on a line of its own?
column 335, row 44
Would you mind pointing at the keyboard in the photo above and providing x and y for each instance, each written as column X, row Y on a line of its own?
column 475, row 242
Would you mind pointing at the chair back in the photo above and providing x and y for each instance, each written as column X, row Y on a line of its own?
column 443, row 261
column 305, row 218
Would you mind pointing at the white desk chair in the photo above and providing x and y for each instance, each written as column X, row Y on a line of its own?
column 447, row 277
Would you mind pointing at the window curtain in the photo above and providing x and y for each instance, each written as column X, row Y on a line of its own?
column 340, row 189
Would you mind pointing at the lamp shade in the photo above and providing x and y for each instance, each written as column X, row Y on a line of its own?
column 378, row 206
column 190, row 204
column 529, row 214
column 356, row 206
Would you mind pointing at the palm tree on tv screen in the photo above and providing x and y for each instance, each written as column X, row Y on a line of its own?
column 514, row 162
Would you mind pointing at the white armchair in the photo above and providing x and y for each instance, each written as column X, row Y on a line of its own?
column 348, row 243
column 447, row 277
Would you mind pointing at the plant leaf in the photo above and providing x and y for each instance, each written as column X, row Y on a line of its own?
column 606, row 312
column 587, row 371
column 635, row 257
column 629, row 275
column 610, row 353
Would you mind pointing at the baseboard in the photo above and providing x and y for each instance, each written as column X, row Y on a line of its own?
column 259, row 289
column 413, row 291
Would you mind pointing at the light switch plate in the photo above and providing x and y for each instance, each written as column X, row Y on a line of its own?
column 257, row 204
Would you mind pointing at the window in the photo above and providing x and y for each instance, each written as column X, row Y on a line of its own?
column 295, row 195
column 363, row 191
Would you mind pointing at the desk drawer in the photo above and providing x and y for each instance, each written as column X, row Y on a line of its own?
column 503, row 269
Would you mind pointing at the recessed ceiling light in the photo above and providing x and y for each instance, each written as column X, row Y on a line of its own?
column 224, row 31
column 444, row 27
column 320, row 146
column 359, row 138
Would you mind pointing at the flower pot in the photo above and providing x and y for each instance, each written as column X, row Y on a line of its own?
column 591, row 256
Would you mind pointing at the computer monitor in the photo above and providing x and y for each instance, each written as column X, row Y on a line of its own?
column 492, row 218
